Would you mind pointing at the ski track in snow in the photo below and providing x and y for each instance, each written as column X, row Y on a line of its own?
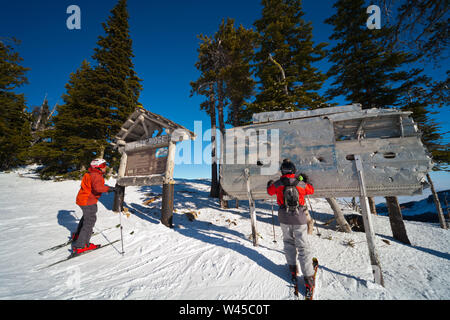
column 209, row 258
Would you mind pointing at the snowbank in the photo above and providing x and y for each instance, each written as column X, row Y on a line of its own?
column 208, row 258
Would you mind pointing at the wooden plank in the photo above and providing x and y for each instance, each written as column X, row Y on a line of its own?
column 170, row 164
column 123, row 164
column 251, row 204
column 150, row 143
column 282, row 116
column 141, row 181
column 368, row 225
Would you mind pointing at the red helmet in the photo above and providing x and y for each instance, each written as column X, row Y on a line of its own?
column 98, row 163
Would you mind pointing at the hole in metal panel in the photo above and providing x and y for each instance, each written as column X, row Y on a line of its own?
column 350, row 157
column 389, row 155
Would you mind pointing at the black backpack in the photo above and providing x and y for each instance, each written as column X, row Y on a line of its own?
column 290, row 195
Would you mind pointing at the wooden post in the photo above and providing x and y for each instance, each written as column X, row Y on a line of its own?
column 168, row 187
column 373, row 208
column 396, row 220
column 119, row 196
column 251, row 204
column 368, row 226
column 167, row 205
column 437, row 204
column 343, row 224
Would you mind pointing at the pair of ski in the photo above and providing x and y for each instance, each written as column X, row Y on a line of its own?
column 309, row 295
column 72, row 256
column 62, row 245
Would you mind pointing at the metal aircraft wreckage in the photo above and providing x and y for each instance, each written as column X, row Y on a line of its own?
column 345, row 151
column 323, row 143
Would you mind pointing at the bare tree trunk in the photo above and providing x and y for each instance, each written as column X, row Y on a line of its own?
column 354, row 205
column 373, row 209
column 214, row 192
column 102, row 152
column 37, row 124
column 283, row 74
column 448, row 209
column 396, row 220
column 343, row 224
column 42, row 122
column 438, row 204
column 220, row 107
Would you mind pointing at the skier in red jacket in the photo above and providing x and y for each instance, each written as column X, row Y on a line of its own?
column 92, row 187
column 293, row 218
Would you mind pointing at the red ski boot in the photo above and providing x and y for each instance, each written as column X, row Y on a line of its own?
column 88, row 247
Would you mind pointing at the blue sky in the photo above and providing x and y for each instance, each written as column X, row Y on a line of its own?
column 165, row 45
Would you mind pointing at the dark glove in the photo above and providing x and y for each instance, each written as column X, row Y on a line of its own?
column 269, row 183
column 112, row 189
column 303, row 177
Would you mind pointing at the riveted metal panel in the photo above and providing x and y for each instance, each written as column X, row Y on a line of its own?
column 394, row 159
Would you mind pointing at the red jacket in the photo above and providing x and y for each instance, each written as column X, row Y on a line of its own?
column 278, row 188
column 92, row 187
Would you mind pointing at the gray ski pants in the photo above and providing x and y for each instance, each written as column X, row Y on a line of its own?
column 86, row 225
column 297, row 245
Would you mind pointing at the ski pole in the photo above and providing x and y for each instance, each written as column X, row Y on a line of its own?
column 310, row 206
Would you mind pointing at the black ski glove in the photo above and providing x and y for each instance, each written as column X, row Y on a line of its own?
column 112, row 189
column 269, row 183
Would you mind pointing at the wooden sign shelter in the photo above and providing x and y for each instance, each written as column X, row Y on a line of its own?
column 147, row 143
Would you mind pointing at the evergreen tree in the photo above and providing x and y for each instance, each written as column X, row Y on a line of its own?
column 224, row 63
column 78, row 134
column 205, row 85
column 369, row 71
column 97, row 102
column 365, row 69
column 238, row 45
column 15, row 135
column 421, row 99
column 288, row 80
column 422, row 26
column 117, row 86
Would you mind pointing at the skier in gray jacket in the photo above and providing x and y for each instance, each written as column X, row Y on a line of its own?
column 292, row 215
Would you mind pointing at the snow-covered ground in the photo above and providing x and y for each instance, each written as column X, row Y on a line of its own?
column 205, row 259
